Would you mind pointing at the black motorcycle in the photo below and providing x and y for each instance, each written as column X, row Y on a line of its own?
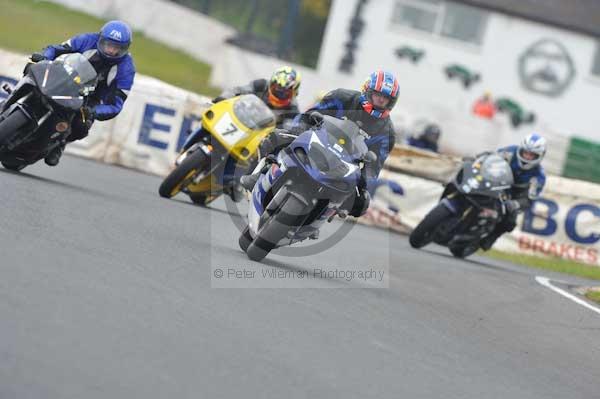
column 470, row 207
column 37, row 115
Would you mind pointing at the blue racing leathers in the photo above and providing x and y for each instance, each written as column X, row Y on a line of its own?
column 115, row 76
column 528, row 183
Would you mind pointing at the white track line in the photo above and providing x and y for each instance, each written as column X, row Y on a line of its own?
column 546, row 283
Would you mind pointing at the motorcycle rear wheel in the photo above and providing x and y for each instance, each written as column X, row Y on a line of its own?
column 198, row 199
column 13, row 167
column 463, row 252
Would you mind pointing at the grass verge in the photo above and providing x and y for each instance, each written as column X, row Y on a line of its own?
column 593, row 295
column 27, row 26
column 552, row 264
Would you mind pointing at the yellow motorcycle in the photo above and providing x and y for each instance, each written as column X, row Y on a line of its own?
column 226, row 142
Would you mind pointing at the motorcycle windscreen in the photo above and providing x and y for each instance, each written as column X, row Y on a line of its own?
column 329, row 153
column 325, row 162
column 253, row 113
column 79, row 68
column 345, row 137
column 489, row 175
column 65, row 80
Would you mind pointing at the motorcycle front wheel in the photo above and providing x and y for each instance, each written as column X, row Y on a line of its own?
column 277, row 227
column 245, row 239
column 183, row 174
column 10, row 126
column 423, row 234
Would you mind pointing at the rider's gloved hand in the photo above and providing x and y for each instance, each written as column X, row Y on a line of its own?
column 37, row 57
column 266, row 146
column 315, row 118
column 512, row 206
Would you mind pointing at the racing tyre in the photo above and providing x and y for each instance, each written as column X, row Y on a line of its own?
column 245, row 239
column 12, row 166
column 183, row 174
column 423, row 234
column 11, row 125
column 463, row 252
column 286, row 219
column 198, row 199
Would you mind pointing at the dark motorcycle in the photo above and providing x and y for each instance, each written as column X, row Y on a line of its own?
column 470, row 207
column 37, row 115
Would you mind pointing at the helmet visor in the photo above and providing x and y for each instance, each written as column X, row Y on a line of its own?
column 528, row 156
column 111, row 48
column 281, row 93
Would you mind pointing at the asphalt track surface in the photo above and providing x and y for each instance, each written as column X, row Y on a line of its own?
column 105, row 292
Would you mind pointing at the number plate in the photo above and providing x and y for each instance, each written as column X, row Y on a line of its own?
column 228, row 130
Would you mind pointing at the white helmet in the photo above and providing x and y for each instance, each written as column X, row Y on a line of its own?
column 531, row 151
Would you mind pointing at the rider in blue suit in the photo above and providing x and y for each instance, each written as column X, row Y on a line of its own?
column 529, row 180
column 108, row 52
column 370, row 108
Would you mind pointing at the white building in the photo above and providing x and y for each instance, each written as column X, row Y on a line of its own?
column 558, row 79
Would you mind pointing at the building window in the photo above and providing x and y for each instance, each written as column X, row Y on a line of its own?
column 596, row 63
column 420, row 15
column 442, row 18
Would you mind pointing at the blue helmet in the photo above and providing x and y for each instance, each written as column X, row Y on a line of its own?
column 115, row 39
